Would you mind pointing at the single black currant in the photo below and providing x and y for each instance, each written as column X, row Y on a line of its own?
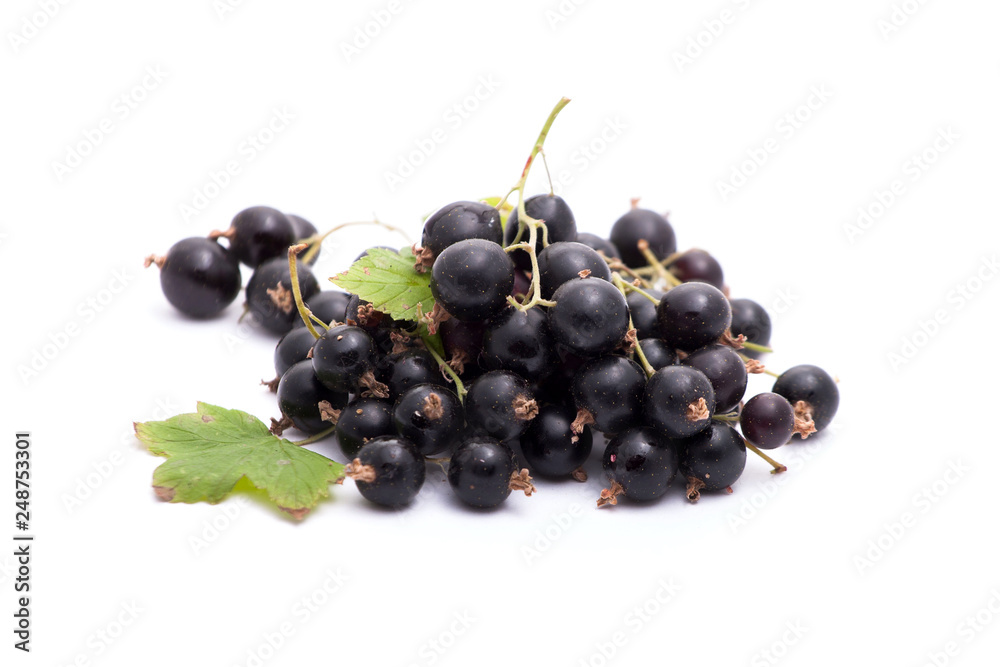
column 403, row 370
column 362, row 420
column 692, row 315
column 342, row 355
column 564, row 261
column 480, row 472
column 644, row 313
column 270, row 300
column 697, row 266
column 641, row 224
column 609, row 390
column 597, row 243
column 725, row 370
column 679, row 401
column 260, row 233
column 712, row 460
column 639, row 463
column 293, row 347
column 329, row 306
column 389, row 471
column 198, row 276
column 659, row 353
column 431, row 417
column 557, row 216
column 767, row 420
column 551, row 446
column 500, row 404
column 751, row 320
column 461, row 221
column 299, row 396
column 812, row 392
column 471, row 279
column 520, row 342
column 590, row 316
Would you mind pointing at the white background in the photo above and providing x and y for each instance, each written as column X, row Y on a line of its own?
column 823, row 549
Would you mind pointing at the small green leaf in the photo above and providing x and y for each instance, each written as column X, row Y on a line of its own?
column 388, row 280
column 209, row 451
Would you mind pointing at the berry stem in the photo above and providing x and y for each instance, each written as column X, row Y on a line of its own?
column 293, row 272
column 548, row 174
column 646, row 294
column 314, row 242
column 316, row 437
column 757, row 348
column 654, row 262
column 777, row 467
column 745, row 358
column 616, row 278
column 459, row 387
column 616, row 265
column 729, row 418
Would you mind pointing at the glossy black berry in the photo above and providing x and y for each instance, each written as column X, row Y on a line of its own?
column 751, row 320
column 461, row 221
column 767, row 420
column 342, row 355
column 597, row 243
column 642, row 224
column 590, row 316
column 293, row 347
column 199, row 277
column 329, row 307
column 550, row 446
column 260, row 233
column 715, row 457
column 697, row 266
column 725, row 370
column 813, row 386
column 679, row 401
column 644, row 313
column 659, row 353
column 362, row 420
column 610, row 388
column 269, row 294
column 558, row 218
column 564, row 261
column 520, row 342
column 472, row 279
column 642, row 461
column 407, row 369
column 479, row 472
column 299, row 395
column 397, row 469
column 431, row 417
column 500, row 404
column 692, row 315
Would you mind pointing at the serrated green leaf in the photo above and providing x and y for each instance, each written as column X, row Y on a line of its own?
column 210, row 450
column 388, row 280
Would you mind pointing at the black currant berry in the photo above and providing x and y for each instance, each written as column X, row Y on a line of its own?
column 329, row 307
column 558, row 218
column 500, row 404
column 293, row 347
column 725, row 370
column 767, row 420
column 342, row 355
column 407, row 369
column 712, row 460
column 520, row 342
column 814, row 389
column 610, row 389
column 751, row 320
column 260, row 233
column 550, row 445
column 480, row 472
column 640, row 224
column 563, row 261
column 198, row 276
column 362, row 420
column 590, row 316
column 692, row 315
column 679, row 401
column 389, row 471
column 639, row 463
column 697, row 266
column 471, row 279
column 269, row 294
column 597, row 243
column 659, row 353
column 431, row 417
column 644, row 313
column 299, row 394
column 461, row 221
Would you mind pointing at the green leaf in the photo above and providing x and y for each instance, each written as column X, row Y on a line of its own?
column 209, row 451
column 388, row 280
